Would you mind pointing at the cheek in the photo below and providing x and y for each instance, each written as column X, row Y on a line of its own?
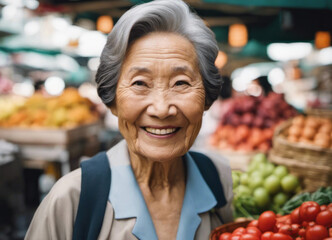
column 128, row 107
column 193, row 106
column 193, row 109
column 128, row 111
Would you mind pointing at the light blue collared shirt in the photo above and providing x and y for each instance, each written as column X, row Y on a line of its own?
column 128, row 202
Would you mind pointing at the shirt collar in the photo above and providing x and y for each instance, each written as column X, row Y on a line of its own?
column 128, row 202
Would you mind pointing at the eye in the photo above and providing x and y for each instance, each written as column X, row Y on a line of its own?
column 139, row 83
column 181, row 82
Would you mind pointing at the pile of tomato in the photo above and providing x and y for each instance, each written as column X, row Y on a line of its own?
column 310, row 221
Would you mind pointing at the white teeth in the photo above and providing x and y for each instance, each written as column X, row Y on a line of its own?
column 160, row 131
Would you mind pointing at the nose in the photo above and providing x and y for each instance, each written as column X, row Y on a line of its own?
column 161, row 107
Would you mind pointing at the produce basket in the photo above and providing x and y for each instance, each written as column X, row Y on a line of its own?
column 312, row 175
column 312, row 164
column 297, row 150
column 229, row 227
column 321, row 112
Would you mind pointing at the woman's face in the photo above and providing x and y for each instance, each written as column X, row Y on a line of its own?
column 160, row 97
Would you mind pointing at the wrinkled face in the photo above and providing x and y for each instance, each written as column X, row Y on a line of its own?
column 160, row 97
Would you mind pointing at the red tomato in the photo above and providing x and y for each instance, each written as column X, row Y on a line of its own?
column 329, row 206
column 323, row 207
column 279, row 225
column 254, row 230
column 253, row 223
column 330, row 232
column 248, row 236
column 305, row 224
column 329, row 238
column 302, row 232
column 281, row 236
column 286, row 229
column 309, row 210
column 225, row 236
column 312, row 223
column 299, row 238
column 295, row 229
column 235, row 237
column 317, row 232
column 324, row 218
column 284, row 219
column 267, row 236
column 239, row 231
column 267, row 221
column 295, row 215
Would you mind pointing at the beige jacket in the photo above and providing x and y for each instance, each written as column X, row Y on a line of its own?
column 54, row 218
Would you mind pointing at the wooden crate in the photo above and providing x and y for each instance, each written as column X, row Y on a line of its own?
column 62, row 136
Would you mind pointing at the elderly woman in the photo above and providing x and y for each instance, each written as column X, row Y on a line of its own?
column 157, row 75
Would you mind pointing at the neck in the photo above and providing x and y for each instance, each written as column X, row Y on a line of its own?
column 158, row 175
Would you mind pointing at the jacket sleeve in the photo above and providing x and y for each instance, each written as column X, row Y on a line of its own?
column 55, row 216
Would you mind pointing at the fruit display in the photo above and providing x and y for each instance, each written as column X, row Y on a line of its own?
column 247, row 123
column 310, row 221
column 9, row 104
column 68, row 110
column 264, row 186
column 312, row 130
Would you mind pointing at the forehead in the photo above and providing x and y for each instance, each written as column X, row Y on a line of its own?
column 163, row 46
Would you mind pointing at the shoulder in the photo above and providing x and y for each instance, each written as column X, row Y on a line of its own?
column 55, row 215
column 68, row 185
column 65, row 192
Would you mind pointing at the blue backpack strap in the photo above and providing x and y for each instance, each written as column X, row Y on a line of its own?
column 95, row 186
column 211, row 176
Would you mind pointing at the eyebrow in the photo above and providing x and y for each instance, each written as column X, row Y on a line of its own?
column 140, row 70
column 181, row 69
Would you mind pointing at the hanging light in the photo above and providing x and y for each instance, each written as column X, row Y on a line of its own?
column 237, row 35
column 322, row 39
column 221, row 60
column 105, row 24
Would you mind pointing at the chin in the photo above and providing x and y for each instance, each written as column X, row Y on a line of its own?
column 161, row 154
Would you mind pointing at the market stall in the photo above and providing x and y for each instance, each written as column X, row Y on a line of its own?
column 272, row 120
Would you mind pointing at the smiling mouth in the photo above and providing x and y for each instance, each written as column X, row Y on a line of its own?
column 161, row 131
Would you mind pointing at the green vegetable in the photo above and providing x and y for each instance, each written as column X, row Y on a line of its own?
column 245, row 206
column 322, row 196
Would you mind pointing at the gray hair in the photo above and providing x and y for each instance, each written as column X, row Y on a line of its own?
column 158, row 16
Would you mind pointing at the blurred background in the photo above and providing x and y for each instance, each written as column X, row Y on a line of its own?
column 275, row 58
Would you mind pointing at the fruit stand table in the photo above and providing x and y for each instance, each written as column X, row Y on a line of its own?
column 65, row 146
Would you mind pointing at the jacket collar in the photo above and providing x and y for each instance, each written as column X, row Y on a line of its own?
column 128, row 201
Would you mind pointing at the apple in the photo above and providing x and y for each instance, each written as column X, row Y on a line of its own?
column 280, row 171
column 255, row 182
column 236, row 179
column 280, row 199
column 289, row 183
column 256, row 173
column 259, row 158
column 267, row 169
column 272, row 184
column 261, row 197
column 244, row 179
column 241, row 190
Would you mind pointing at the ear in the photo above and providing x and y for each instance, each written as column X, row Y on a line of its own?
column 113, row 108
